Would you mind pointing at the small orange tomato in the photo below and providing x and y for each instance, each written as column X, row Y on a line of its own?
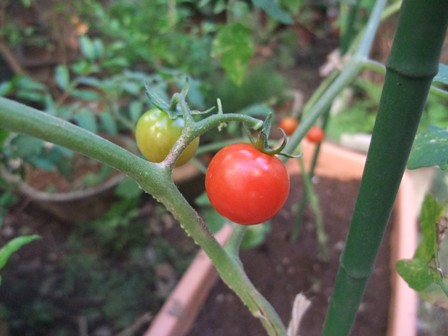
column 315, row 134
column 289, row 125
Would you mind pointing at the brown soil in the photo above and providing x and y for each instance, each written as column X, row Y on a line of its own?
column 89, row 279
column 280, row 270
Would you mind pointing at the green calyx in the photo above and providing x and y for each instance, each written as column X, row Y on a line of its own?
column 261, row 142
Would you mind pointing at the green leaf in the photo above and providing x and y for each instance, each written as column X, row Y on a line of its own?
column 430, row 149
column 87, row 47
column 255, row 235
column 425, row 280
column 90, row 81
column 234, row 46
column 156, row 99
column 425, row 272
column 239, row 9
column 118, row 62
column 86, row 95
column 429, row 216
column 85, row 119
column 274, row 10
column 98, row 47
column 27, row 83
column 293, row 6
column 213, row 219
column 42, row 163
column 62, row 77
column 442, row 75
column 3, row 136
column 436, row 293
column 26, row 146
column 83, row 67
column 26, row 3
column 108, row 123
column 131, row 87
column 6, row 88
column 220, row 6
column 13, row 246
column 128, row 188
column 7, row 199
column 417, row 274
column 30, row 96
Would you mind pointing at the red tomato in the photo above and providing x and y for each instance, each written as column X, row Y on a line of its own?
column 289, row 125
column 245, row 185
column 315, row 134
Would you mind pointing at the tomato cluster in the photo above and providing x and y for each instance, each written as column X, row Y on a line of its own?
column 289, row 125
column 244, row 184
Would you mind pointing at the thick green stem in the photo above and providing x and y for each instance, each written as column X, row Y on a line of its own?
column 154, row 179
column 412, row 64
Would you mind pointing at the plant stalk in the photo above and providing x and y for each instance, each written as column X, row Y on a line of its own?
column 309, row 194
column 304, row 199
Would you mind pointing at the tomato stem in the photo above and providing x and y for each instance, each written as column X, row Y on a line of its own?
column 179, row 99
column 193, row 129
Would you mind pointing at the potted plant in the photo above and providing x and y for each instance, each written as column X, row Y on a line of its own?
column 60, row 180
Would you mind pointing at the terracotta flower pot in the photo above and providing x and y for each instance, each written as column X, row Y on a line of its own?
column 91, row 202
column 72, row 206
column 180, row 310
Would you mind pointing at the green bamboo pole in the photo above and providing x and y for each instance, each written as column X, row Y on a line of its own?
column 412, row 64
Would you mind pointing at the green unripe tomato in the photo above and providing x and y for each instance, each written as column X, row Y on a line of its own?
column 156, row 134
